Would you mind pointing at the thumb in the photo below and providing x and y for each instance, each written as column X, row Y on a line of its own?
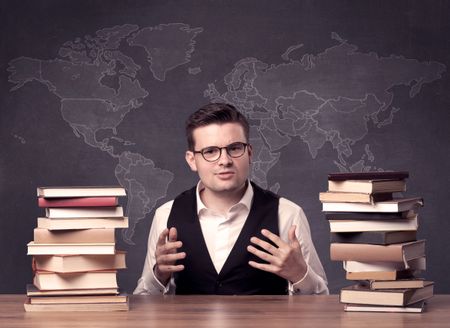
column 292, row 237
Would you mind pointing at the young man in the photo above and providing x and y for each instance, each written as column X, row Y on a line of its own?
column 227, row 235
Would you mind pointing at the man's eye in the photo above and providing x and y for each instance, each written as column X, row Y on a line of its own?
column 235, row 147
column 209, row 151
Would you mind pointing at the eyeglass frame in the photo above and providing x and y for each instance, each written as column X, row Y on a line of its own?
column 246, row 145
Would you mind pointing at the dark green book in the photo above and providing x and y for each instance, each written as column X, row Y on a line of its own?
column 368, row 215
column 373, row 237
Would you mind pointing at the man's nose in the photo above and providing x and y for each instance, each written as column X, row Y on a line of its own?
column 224, row 158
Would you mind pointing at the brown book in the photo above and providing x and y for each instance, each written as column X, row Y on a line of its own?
column 84, row 307
column 70, row 249
column 45, row 236
column 81, row 191
column 33, row 291
column 380, row 275
column 373, row 237
column 83, row 223
column 78, row 299
column 79, row 263
column 86, row 280
column 361, row 294
column 398, row 284
column 368, row 253
column 353, row 197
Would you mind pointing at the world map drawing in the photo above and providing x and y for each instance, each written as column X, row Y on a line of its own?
column 328, row 98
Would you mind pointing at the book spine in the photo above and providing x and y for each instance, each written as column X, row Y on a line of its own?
column 78, row 202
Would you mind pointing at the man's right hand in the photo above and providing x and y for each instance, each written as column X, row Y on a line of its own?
column 166, row 255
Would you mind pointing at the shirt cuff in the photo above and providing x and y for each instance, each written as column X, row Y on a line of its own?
column 306, row 285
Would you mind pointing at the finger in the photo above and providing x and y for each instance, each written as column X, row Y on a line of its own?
column 264, row 245
column 170, row 258
column 162, row 237
column 173, row 234
column 170, row 268
column 264, row 267
column 262, row 255
column 168, row 247
column 273, row 237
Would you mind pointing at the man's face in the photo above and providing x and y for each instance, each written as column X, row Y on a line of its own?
column 227, row 174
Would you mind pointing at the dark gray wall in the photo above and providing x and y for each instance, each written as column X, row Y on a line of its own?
column 328, row 85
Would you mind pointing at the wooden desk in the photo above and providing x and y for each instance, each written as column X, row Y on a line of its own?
column 225, row 311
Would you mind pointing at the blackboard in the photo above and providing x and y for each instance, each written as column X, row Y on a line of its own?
column 96, row 93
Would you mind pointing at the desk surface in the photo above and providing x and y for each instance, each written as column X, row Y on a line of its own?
column 225, row 311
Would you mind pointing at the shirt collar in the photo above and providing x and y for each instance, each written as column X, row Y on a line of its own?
column 246, row 199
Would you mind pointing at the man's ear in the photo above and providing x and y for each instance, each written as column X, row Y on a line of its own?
column 190, row 159
column 250, row 153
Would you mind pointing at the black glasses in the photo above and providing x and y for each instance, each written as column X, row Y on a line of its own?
column 212, row 154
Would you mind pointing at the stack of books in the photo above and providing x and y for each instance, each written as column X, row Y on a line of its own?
column 75, row 260
column 374, row 234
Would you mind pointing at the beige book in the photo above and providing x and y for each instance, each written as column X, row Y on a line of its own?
column 84, row 307
column 380, row 275
column 410, row 224
column 367, row 186
column 33, row 291
column 79, row 263
column 398, row 284
column 69, row 249
column 84, row 212
column 401, row 252
column 413, row 308
column 84, row 223
column 78, row 299
column 45, row 236
column 86, row 280
column 390, row 206
column 80, row 191
column 358, row 266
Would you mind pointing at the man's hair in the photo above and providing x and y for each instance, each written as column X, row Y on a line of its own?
column 214, row 113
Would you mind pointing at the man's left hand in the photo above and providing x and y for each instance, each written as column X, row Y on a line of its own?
column 286, row 260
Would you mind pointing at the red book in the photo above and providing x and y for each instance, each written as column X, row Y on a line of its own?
column 77, row 202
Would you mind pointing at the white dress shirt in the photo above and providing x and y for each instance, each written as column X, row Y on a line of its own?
column 221, row 232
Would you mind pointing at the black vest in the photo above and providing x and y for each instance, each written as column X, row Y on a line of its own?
column 237, row 276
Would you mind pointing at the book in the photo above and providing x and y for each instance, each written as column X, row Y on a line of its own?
column 358, row 266
column 82, row 223
column 370, row 215
column 398, row 284
column 85, row 307
column 401, row 252
column 45, row 280
column 78, row 299
column 45, row 236
column 374, row 225
column 361, row 294
column 381, row 275
column 418, row 307
column 386, row 175
column 84, row 212
column 77, row 201
column 367, row 186
column 395, row 205
column 373, row 237
column 79, row 263
column 353, row 197
column 81, row 191
column 80, row 248
column 33, row 291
